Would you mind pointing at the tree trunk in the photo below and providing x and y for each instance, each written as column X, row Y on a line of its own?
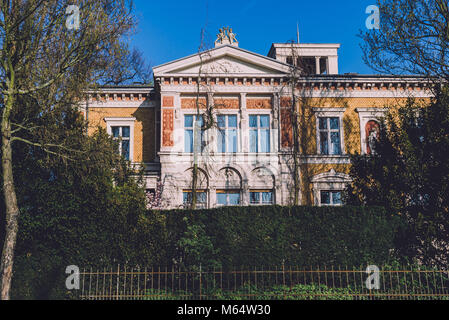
column 12, row 209
column 294, row 118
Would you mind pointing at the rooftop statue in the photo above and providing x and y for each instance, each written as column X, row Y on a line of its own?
column 231, row 36
column 226, row 36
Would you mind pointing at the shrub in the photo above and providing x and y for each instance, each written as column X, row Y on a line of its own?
column 299, row 236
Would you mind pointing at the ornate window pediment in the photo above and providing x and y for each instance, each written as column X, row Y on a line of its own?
column 329, row 185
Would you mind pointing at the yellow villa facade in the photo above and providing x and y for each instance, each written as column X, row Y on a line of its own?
column 245, row 157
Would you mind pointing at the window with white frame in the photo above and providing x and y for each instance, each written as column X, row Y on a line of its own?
column 193, row 130
column 122, row 130
column 367, row 118
column 122, row 134
column 329, row 136
column 331, row 198
column 329, row 124
column 228, row 197
column 227, row 133
column 328, row 188
column 259, row 133
column 261, row 197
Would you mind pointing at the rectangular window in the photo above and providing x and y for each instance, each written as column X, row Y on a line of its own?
column 307, row 65
column 228, row 197
column 331, row 198
column 261, row 197
column 227, row 133
column 329, row 136
column 201, row 198
column 259, row 133
column 190, row 121
column 122, row 134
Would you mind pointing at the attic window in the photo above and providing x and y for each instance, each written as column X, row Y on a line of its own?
column 323, row 65
column 307, row 64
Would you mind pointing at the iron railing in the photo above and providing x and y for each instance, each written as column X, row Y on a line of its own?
column 259, row 283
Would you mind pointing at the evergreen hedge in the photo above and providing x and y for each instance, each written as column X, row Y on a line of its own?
column 272, row 235
column 229, row 237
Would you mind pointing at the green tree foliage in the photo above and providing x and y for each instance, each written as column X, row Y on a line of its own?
column 409, row 174
column 270, row 236
column 89, row 211
column 196, row 248
column 47, row 66
column 413, row 38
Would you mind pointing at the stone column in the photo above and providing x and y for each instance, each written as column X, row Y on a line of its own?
column 212, row 197
column 275, row 123
column 177, row 104
column 317, row 65
column 278, row 191
column 245, row 193
column 212, row 132
column 244, row 126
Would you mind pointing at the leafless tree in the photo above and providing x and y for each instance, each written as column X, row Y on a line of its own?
column 413, row 39
column 206, row 108
column 297, row 114
column 45, row 64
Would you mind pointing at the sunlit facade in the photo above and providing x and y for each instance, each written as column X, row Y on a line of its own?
column 246, row 157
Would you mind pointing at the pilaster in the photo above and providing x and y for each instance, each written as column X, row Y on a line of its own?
column 244, row 126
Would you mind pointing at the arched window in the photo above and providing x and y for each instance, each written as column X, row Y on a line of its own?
column 261, row 187
column 229, row 187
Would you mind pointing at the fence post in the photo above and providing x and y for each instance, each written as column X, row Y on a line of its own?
column 200, row 282
column 82, row 290
column 90, row 283
column 118, row 280
column 283, row 277
column 138, row 282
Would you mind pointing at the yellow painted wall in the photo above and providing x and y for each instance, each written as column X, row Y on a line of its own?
column 352, row 140
column 144, row 128
column 145, row 131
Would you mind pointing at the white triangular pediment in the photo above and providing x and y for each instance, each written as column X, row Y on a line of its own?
column 226, row 64
column 225, row 60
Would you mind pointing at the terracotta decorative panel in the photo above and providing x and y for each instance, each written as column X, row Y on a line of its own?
column 286, row 128
column 190, row 103
column 227, row 103
column 168, row 101
column 264, row 103
column 168, row 126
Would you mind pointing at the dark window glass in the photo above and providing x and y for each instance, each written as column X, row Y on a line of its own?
column 125, row 132
column 325, row 197
column 115, row 132
column 324, row 143
column 254, row 197
column 125, row 149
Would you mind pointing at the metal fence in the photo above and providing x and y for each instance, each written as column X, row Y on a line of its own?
column 277, row 283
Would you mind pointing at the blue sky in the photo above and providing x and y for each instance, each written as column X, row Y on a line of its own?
column 170, row 30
